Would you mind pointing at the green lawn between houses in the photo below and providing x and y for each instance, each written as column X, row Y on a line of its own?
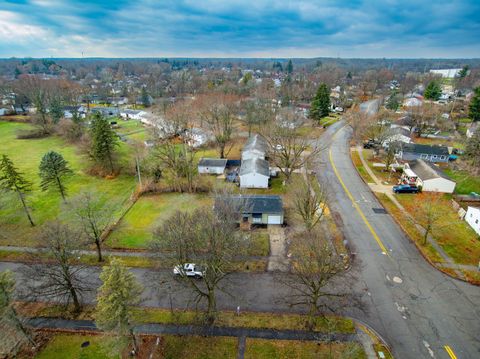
column 466, row 183
column 45, row 206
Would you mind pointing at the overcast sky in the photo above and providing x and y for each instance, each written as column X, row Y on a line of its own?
column 240, row 28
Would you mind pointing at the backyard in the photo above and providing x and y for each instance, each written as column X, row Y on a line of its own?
column 26, row 155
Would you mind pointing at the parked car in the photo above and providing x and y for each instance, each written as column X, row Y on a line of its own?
column 405, row 188
column 232, row 177
column 189, row 270
column 369, row 144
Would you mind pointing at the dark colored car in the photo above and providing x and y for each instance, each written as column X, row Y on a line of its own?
column 232, row 177
column 370, row 144
column 405, row 188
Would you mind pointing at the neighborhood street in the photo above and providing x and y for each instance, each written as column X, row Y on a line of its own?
column 417, row 309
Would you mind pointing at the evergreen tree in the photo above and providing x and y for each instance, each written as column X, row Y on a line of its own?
column 53, row 169
column 463, row 72
column 474, row 107
column 12, row 180
column 472, row 150
column 104, row 141
column 145, row 97
column 392, row 102
column 116, row 296
column 432, row 91
column 320, row 106
column 56, row 110
column 289, row 67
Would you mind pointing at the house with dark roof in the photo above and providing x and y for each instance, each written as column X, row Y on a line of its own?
column 415, row 151
column 259, row 209
column 254, row 173
column 431, row 178
column 212, row 165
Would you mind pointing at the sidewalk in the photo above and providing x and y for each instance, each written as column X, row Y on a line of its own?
column 387, row 190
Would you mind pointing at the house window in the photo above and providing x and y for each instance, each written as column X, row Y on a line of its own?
column 442, row 157
column 476, row 221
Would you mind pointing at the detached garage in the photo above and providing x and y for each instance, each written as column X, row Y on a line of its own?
column 431, row 178
column 212, row 166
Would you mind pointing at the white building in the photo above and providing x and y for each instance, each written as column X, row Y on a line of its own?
column 472, row 129
column 473, row 218
column 254, row 173
column 412, row 102
column 212, row 165
column 447, row 73
column 132, row 114
column 431, row 178
column 255, row 147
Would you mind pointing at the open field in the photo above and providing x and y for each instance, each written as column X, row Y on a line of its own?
column 45, row 206
column 295, row 349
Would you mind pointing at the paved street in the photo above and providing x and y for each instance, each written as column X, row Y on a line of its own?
column 416, row 308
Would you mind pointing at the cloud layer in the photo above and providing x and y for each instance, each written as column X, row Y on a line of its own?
column 234, row 28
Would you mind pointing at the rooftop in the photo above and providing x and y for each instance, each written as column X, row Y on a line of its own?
column 427, row 149
column 255, row 165
column 427, row 171
column 212, row 162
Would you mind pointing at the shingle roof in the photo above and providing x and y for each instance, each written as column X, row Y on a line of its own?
column 425, row 170
column 212, row 162
column 255, row 142
column 255, row 165
column 431, row 150
column 259, row 203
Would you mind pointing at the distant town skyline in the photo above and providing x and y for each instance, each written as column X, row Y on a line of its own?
column 215, row 28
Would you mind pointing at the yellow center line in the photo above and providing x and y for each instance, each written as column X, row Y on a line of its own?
column 360, row 212
column 450, row 352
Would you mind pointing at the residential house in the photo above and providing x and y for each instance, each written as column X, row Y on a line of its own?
column 412, row 102
column 106, row 111
column 212, row 166
column 132, row 114
column 446, row 73
column 254, row 173
column 259, row 209
column 397, row 133
column 430, row 178
column 414, row 151
column 472, row 129
column 255, row 147
column 197, row 137
column 473, row 218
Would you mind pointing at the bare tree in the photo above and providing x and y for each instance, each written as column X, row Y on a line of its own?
column 208, row 238
column 94, row 218
column 309, row 200
column 63, row 278
column 314, row 265
column 288, row 150
column 428, row 214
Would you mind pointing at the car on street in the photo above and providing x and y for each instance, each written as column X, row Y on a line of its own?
column 189, row 270
column 405, row 188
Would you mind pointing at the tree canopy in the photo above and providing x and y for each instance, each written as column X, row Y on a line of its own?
column 432, row 91
column 53, row 170
column 320, row 106
column 474, row 107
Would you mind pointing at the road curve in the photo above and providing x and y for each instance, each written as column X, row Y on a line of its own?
column 420, row 311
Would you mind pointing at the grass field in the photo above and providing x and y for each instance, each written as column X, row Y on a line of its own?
column 26, row 155
column 466, row 183
column 197, row 347
column 454, row 235
column 135, row 229
column 360, row 168
column 67, row 346
column 294, row 349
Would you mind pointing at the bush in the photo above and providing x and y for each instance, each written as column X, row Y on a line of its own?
column 31, row 134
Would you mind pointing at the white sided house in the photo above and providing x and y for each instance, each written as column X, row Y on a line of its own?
column 255, row 147
column 128, row 114
column 473, row 218
column 254, row 173
column 429, row 177
column 212, row 166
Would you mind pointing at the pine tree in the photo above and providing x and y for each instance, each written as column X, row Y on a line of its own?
column 56, row 110
column 12, row 180
column 474, row 107
column 289, row 67
column 463, row 72
column 104, row 141
column 53, row 169
column 320, row 106
column 116, row 296
column 145, row 97
column 432, row 91
column 392, row 102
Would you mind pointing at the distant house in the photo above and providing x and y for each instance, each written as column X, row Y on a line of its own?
column 117, row 100
column 447, row 73
column 472, row 129
column 414, row 151
column 473, row 218
column 431, row 178
column 212, row 165
column 258, row 209
column 132, row 114
column 197, row 137
column 412, row 102
column 255, row 147
column 106, row 111
column 397, row 133
column 68, row 111
column 254, row 173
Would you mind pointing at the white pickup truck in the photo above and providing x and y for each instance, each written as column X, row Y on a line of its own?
column 189, row 270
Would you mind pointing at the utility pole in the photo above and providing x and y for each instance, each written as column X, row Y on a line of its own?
column 138, row 171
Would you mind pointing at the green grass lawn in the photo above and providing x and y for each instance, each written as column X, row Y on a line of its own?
column 466, row 183
column 135, row 229
column 26, row 155
column 295, row 349
column 66, row 346
column 196, row 347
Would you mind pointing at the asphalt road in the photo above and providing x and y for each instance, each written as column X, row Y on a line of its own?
column 416, row 308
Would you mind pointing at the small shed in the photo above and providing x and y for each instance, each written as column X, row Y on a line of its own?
column 212, row 165
column 473, row 218
column 254, row 173
column 431, row 178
